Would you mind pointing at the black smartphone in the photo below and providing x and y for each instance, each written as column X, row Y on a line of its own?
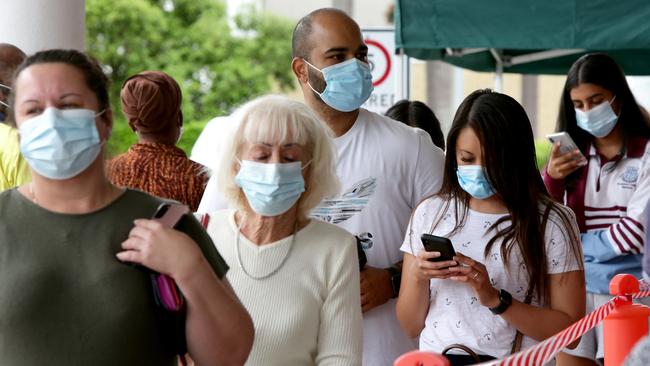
column 170, row 213
column 433, row 243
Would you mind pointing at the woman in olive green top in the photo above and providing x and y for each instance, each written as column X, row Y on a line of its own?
column 67, row 293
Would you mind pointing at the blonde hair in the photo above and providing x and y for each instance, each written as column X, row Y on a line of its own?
column 277, row 119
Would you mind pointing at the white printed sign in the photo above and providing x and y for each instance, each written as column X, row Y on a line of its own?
column 385, row 65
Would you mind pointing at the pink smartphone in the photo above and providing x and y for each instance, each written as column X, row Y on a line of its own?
column 166, row 292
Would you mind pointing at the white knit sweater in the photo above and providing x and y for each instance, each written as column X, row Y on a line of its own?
column 308, row 312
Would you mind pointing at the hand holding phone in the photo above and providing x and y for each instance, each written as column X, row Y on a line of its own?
column 170, row 214
column 566, row 144
column 566, row 159
column 433, row 243
column 166, row 292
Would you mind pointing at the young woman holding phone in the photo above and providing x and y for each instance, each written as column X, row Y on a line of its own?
column 609, row 188
column 517, row 267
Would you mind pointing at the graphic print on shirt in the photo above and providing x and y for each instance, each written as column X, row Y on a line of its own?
column 352, row 201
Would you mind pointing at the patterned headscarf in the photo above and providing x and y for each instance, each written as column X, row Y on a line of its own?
column 151, row 101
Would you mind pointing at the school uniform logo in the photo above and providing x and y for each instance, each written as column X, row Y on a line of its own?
column 629, row 177
column 631, row 174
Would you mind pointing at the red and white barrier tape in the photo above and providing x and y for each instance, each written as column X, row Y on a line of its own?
column 644, row 289
column 543, row 352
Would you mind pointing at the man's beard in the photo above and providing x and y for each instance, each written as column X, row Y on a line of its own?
column 317, row 83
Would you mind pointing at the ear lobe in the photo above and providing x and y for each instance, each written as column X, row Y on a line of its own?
column 299, row 68
column 107, row 118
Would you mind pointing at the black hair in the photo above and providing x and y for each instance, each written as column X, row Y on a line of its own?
column 95, row 78
column 300, row 45
column 508, row 148
column 602, row 70
column 417, row 114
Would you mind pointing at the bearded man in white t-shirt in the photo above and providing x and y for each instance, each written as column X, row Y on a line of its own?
column 386, row 168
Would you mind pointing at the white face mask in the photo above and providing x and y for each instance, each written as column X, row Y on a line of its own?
column 271, row 189
column 60, row 144
column 348, row 84
column 599, row 121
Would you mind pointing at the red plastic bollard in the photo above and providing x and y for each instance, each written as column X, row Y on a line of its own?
column 627, row 323
column 421, row 358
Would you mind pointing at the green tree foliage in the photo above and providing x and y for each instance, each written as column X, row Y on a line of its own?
column 192, row 41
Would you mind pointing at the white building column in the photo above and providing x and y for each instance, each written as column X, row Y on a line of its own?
column 34, row 25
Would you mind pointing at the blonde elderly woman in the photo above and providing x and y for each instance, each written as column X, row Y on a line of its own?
column 298, row 278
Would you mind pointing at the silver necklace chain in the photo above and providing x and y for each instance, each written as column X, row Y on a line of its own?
column 274, row 271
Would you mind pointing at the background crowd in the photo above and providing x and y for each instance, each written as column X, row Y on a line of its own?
column 310, row 248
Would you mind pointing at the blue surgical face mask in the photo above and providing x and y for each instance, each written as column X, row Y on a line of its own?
column 599, row 120
column 348, row 84
column 472, row 180
column 271, row 189
column 60, row 144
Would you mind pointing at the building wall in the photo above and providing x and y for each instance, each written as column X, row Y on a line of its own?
column 42, row 24
column 550, row 91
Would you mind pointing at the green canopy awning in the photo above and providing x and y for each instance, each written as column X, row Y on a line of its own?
column 527, row 36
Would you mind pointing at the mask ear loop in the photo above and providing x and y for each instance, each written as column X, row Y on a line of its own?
column 308, row 83
column 8, row 88
column 103, row 143
column 610, row 105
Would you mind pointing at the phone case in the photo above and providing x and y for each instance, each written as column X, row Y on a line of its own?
column 170, row 213
column 433, row 243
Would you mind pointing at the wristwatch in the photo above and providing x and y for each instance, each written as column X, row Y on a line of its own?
column 395, row 280
column 505, row 300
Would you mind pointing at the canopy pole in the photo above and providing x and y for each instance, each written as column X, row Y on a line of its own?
column 498, row 72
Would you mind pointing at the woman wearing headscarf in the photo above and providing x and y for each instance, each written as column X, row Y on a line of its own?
column 151, row 102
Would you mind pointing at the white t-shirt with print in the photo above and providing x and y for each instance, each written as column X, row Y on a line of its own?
column 455, row 314
column 386, row 168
